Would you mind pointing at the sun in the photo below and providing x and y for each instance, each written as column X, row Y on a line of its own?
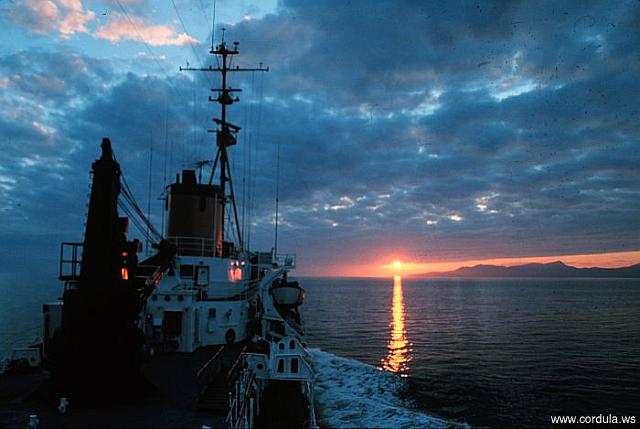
column 397, row 265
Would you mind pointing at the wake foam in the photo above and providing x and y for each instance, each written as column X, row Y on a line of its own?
column 351, row 394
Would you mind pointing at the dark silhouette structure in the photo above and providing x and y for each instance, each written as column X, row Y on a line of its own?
column 98, row 350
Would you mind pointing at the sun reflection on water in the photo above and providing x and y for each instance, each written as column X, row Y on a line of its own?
column 399, row 347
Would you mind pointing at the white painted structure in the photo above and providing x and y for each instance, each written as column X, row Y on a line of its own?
column 200, row 301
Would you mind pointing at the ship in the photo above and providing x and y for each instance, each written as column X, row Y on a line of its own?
column 203, row 332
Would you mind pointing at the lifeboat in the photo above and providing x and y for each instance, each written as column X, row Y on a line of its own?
column 287, row 293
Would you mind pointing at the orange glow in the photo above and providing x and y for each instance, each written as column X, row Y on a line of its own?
column 380, row 268
column 124, row 273
column 398, row 358
column 397, row 265
column 235, row 274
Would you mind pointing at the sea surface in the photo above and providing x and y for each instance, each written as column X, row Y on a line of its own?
column 490, row 353
column 416, row 353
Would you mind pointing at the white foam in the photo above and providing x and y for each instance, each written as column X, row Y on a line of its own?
column 351, row 394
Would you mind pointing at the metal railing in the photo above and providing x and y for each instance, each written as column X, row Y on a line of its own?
column 213, row 368
column 311, row 421
column 240, row 405
column 286, row 260
column 206, row 373
column 225, row 291
column 194, row 246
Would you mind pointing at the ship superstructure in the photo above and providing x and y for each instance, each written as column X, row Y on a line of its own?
column 204, row 326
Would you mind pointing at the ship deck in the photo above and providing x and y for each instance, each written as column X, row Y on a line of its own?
column 171, row 387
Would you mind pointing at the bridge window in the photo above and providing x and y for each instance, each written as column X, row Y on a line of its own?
column 280, row 366
column 294, row 365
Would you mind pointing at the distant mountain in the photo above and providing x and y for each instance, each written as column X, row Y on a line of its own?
column 553, row 269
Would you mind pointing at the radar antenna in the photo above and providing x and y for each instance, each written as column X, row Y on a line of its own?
column 225, row 132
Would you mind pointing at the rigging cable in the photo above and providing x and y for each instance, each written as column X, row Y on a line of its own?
column 257, row 141
column 147, row 47
column 275, row 244
column 163, row 196
column 195, row 122
column 150, row 182
column 184, row 27
column 213, row 25
column 128, row 198
column 128, row 202
column 245, row 159
column 129, row 205
column 196, row 147
column 139, row 226
column 135, row 27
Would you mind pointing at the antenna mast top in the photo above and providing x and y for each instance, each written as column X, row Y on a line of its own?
column 225, row 133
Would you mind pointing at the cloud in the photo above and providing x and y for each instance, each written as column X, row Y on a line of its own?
column 66, row 17
column 41, row 159
column 75, row 18
column 544, row 126
column 127, row 2
column 51, row 78
column 39, row 16
column 121, row 27
column 444, row 132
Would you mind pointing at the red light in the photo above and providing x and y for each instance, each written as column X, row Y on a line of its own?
column 155, row 279
column 124, row 273
column 235, row 274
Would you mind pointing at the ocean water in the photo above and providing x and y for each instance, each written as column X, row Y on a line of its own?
column 425, row 353
column 21, row 311
column 489, row 353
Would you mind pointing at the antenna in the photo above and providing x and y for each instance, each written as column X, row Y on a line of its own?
column 225, row 132
column 275, row 244
column 213, row 26
column 199, row 165
column 147, row 246
column 163, row 197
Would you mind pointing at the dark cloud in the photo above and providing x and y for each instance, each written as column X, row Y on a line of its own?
column 455, row 130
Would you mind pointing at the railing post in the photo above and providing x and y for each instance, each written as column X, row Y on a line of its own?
column 236, row 399
column 250, row 412
column 258, row 402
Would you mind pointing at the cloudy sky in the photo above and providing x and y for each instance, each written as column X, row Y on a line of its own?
column 436, row 133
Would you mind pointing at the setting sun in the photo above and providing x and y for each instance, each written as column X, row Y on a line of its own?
column 397, row 265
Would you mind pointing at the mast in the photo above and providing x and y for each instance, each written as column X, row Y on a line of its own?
column 225, row 132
